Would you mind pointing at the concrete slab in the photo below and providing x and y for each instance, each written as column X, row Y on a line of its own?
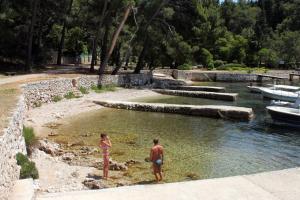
column 283, row 184
column 23, row 190
column 232, row 188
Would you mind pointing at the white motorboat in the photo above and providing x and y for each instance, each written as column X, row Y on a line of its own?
column 279, row 94
column 255, row 89
column 285, row 87
column 286, row 104
column 285, row 114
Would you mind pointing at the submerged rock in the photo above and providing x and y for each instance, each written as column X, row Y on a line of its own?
column 93, row 184
column 117, row 166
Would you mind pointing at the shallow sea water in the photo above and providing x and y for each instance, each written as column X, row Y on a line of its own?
column 195, row 147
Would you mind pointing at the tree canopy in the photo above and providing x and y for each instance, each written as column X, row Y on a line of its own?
column 149, row 34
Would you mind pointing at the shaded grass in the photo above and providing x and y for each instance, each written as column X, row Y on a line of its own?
column 70, row 95
column 101, row 89
column 83, row 90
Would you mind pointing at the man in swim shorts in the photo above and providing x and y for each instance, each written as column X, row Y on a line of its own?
column 157, row 159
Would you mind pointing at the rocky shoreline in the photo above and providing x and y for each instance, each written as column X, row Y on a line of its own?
column 63, row 170
column 73, row 166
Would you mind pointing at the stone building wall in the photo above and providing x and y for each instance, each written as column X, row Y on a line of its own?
column 11, row 142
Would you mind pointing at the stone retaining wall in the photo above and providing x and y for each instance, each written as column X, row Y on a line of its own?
column 215, row 76
column 11, row 142
column 45, row 91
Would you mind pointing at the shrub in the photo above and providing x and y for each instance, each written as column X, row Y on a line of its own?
column 28, row 168
column 210, row 66
column 83, row 90
column 218, row 63
column 70, row 95
column 185, row 67
column 233, row 67
column 206, row 57
column 57, row 98
column 21, row 159
column 29, row 136
column 100, row 89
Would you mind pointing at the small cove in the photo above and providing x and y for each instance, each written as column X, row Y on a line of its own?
column 195, row 147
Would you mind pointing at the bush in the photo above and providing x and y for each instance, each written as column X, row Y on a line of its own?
column 218, row 63
column 210, row 66
column 70, row 95
column 28, row 168
column 185, row 67
column 100, row 89
column 233, row 67
column 21, row 159
column 57, row 98
column 29, row 136
column 206, row 57
column 83, row 90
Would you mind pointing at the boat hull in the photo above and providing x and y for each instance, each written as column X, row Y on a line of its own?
column 284, row 116
column 279, row 95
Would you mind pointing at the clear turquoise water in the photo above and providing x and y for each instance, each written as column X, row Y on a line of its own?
column 195, row 147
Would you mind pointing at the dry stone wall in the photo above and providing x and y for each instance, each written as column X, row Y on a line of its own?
column 215, row 76
column 46, row 91
column 11, row 142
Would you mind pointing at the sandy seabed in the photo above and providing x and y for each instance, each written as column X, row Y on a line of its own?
column 55, row 174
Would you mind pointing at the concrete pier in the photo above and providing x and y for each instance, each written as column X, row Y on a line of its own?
column 212, row 111
column 199, row 88
column 277, row 185
column 198, row 94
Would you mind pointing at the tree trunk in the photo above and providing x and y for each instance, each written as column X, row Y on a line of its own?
column 114, row 40
column 104, row 42
column 63, row 34
column 118, row 60
column 28, row 65
column 128, row 52
column 95, row 41
column 142, row 56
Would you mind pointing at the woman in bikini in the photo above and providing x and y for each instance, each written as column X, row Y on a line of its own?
column 105, row 144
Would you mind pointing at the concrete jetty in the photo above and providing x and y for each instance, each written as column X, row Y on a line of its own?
column 199, row 88
column 212, row 111
column 276, row 185
column 199, row 94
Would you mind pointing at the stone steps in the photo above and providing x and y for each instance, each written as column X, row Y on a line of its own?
column 212, row 111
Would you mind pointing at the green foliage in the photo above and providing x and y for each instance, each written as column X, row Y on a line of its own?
column 28, row 168
column 29, row 136
column 83, row 90
column 211, row 66
column 207, row 58
column 57, row 98
column 233, row 67
column 185, row 67
column 70, row 95
column 21, row 159
column 101, row 89
column 218, row 63
column 162, row 33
